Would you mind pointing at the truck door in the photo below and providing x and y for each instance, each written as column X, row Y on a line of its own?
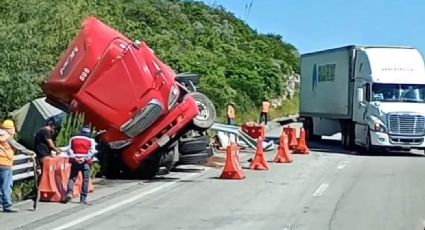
column 362, row 86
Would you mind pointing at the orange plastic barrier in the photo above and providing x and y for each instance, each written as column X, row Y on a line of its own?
column 283, row 154
column 292, row 137
column 254, row 131
column 55, row 177
column 259, row 162
column 302, row 145
column 232, row 169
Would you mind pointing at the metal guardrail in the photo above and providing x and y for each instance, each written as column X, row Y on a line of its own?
column 23, row 165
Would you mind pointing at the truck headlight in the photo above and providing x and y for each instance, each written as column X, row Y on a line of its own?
column 173, row 96
column 379, row 127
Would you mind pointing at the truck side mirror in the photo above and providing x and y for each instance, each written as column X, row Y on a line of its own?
column 360, row 95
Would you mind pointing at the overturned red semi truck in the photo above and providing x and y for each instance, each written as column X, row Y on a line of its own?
column 137, row 101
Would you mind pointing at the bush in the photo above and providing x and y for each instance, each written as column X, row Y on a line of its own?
column 237, row 63
column 23, row 190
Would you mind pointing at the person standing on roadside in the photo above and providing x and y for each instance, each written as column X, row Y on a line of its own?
column 6, row 172
column 231, row 113
column 265, row 106
column 81, row 152
column 44, row 141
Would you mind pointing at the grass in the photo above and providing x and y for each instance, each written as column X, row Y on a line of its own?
column 289, row 107
column 23, row 190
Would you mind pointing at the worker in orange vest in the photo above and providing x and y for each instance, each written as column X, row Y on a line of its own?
column 6, row 172
column 231, row 113
column 265, row 106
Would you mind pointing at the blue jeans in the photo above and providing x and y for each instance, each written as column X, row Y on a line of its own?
column 75, row 170
column 6, row 184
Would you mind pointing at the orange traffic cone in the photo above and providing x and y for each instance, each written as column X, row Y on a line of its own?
column 232, row 169
column 293, row 143
column 302, row 145
column 259, row 162
column 283, row 155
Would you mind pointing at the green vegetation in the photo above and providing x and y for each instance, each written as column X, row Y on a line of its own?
column 23, row 190
column 237, row 63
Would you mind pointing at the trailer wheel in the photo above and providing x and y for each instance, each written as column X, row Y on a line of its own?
column 308, row 125
column 207, row 113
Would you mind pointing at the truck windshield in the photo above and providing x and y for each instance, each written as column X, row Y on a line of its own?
column 398, row 93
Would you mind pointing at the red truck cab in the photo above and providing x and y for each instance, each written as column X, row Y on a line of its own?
column 123, row 89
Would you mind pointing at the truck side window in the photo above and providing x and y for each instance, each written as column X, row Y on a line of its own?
column 366, row 89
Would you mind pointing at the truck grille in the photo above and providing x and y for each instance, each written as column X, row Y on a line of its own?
column 406, row 124
column 143, row 119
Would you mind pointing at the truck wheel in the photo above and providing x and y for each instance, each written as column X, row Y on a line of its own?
column 368, row 145
column 207, row 113
column 347, row 135
column 149, row 167
column 110, row 161
column 196, row 158
column 308, row 125
column 193, row 145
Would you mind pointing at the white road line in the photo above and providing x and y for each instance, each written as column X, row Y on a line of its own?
column 320, row 190
column 122, row 203
column 342, row 165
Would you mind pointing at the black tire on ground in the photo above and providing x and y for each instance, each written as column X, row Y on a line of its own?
column 197, row 158
column 207, row 113
column 193, row 145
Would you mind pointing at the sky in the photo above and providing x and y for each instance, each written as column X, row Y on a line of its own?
column 312, row 25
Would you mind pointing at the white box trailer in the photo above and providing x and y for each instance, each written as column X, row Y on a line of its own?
column 373, row 95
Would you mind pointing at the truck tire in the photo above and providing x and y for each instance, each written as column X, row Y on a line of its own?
column 110, row 161
column 368, row 145
column 308, row 125
column 347, row 135
column 166, row 157
column 207, row 113
column 196, row 158
column 193, row 145
column 149, row 167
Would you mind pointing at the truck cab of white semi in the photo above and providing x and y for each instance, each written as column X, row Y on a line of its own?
column 373, row 95
column 390, row 98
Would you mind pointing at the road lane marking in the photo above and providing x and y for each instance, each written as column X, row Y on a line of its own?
column 124, row 202
column 342, row 165
column 320, row 190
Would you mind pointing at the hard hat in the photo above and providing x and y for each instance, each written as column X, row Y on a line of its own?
column 8, row 124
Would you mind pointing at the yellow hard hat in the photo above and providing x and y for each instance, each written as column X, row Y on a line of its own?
column 8, row 124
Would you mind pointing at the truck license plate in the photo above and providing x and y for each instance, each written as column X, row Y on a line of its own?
column 163, row 140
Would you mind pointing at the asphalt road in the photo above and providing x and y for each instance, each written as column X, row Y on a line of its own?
column 328, row 189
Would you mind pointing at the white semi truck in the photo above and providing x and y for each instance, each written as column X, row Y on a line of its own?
column 373, row 95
